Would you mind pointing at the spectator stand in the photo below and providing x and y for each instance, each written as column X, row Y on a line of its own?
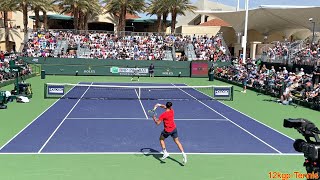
column 298, row 52
column 125, row 45
column 275, row 83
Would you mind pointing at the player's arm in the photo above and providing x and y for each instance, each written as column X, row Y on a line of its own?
column 159, row 105
column 156, row 120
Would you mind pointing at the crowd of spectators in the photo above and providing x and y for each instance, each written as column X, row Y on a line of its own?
column 5, row 71
column 210, row 48
column 278, row 52
column 103, row 45
column 309, row 54
column 303, row 53
column 279, row 82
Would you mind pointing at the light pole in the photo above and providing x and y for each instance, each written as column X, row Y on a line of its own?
column 238, row 5
column 313, row 28
column 244, row 40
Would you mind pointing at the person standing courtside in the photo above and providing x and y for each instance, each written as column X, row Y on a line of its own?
column 151, row 70
column 135, row 73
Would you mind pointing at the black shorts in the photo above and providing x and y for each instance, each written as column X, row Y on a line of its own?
column 173, row 134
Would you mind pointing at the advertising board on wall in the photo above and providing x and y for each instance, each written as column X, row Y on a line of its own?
column 129, row 71
column 199, row 69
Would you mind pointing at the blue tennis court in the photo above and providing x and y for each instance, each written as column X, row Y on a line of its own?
column 89, row 125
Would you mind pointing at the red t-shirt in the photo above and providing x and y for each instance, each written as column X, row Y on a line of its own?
column 168, row 120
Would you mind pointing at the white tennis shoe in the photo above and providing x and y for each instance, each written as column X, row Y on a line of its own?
column 165, row 155
column 184, row 158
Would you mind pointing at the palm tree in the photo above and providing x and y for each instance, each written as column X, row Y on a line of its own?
column 71, row 6
column 157, row 7
column 44, row 6
column 178, row 7
column 122, row 7
column 5, row 7
column 88, row 10
column 49, row 6
column 23, row 5
column 80, row 9
column 164, row 19
column 24, row 8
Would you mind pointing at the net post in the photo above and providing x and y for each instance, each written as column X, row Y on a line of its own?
column 231, row 94
column 212, row 93
column 45, row 91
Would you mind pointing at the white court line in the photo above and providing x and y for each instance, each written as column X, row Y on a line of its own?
column 141, row 104
column 63, row 120
column 232, row 122
column 145, row 119
column 107, row 118
column 259, row 122
column 34, row 120
column 142, row 153
column 250, row 117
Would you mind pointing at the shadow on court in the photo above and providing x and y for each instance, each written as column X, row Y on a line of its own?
column 157, row 155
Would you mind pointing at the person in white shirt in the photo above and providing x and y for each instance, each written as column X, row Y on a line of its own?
column 285, row 71
column 301, row 73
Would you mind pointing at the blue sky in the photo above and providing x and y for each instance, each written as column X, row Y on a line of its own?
column 256, row 3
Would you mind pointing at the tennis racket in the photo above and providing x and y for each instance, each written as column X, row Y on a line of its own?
column 152, row 113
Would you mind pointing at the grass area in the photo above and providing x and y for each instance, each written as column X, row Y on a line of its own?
column 55, row 167
column 134, row 167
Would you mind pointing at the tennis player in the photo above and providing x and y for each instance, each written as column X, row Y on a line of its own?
column 135, row 73
column 170, row 129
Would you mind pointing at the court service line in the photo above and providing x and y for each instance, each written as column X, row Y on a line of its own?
column 63, row 120
column 251, row 117
column 141, row 104
column 107, row 118
column 34, row 119
column 232, row 122
column 144, row 119
column 147, row 153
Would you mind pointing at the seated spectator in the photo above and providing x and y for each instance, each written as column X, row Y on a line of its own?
column 285, row 85
column 108, row 46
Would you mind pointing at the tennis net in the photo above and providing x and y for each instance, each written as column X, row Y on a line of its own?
column 105, row 92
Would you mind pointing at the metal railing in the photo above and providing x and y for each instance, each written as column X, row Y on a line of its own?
column 126, row 33
column 294, row 55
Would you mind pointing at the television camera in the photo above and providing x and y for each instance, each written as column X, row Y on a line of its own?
column 310, row 147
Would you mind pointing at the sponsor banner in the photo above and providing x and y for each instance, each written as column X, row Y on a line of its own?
column 168, row 72
column 114, row 70
column 199, row 69
column 222, row 92
column 89, row 71
column 56, row 90
column 129, row 71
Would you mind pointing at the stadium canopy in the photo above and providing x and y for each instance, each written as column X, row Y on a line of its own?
column 144, row 20
column 54, row 17
column 270, row 19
